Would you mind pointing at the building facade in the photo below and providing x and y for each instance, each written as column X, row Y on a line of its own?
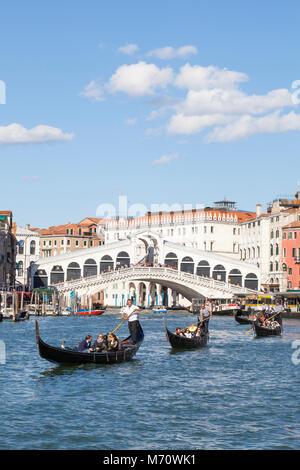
column 7, row 251
column 291, row 255
column 27, row 253
column 70, row 237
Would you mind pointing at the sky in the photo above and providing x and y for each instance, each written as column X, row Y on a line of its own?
column 173, row 102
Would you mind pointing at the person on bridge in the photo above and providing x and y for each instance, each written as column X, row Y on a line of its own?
column 205, row 315
column 130, row 313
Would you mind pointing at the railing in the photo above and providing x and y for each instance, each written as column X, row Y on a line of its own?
column 153, row 272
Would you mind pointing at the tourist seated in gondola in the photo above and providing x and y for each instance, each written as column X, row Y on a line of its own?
column 187, row 333
column 178, row 332
column 113, row 342
column 86, row 344
column 198, row 332
column 100, row 344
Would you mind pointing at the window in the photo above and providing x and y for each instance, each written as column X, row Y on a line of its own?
column 62, row 242
column 77, row 243
column 290, row 235
column 211, row 229
column 67, row 231
column 234, row 231
column 271, row 250
column 294, row 252
column 290, row 271
column 284, row 236
column 277, row 233
column 272, row 234
column 21, row 249
column 277, row 249
column 44, row 243
column 20, row 268
column 55, row 243
column 284, row 252
column 211, row 246
column 32, row 247
column 204, row 229
column 84, row 243
column 79, row 231
column 295, row 235
column 68, row 242
column 271, row 267
column 71, row 231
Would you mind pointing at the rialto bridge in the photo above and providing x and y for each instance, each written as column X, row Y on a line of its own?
column 148, row 269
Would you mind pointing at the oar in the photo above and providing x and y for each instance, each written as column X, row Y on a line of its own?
column 278, row 313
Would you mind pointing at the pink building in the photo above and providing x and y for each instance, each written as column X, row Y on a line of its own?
column 291, row 254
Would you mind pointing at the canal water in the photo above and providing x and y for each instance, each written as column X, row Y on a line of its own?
column 237, row 393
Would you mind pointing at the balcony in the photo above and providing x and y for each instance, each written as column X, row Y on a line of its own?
column 297, row 260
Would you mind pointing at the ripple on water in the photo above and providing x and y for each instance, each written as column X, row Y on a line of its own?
column 237, row 393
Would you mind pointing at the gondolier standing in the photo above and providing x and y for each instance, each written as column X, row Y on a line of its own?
column 130, row 313
column 205, row 315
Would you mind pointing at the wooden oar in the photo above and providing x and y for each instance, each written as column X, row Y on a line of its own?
column 249, row 331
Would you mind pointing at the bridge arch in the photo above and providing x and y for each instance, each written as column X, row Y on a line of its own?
column 106, row 264
column 187, row 265
column 203, row 268
column 235, row 277
column 123, row 259
column 73, row 271
column 40, row 278
column 57, row 275
column 219, row 273
column 171, row 259
column 90, row 268
column 251, row 281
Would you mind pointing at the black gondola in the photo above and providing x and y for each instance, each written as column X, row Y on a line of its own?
column 62, row 355
column 181, row 342
column 267, row 331
column 243, row 319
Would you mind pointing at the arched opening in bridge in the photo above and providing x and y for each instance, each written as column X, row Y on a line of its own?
column 235, row 277
column 90, row 268
column 153, row 295
column 132, row 292
column 40, row 278
column 219, row 273
column 164, row 295
column 73, row 271
column 171, row 260
column 123, row 259
column 203, row 268
column 106, row 264
column 142, row 294
column 187, row 265
column 251, row 281
column 57, row 275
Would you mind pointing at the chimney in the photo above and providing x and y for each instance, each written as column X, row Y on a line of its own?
column 27, row 226
column 258, row 210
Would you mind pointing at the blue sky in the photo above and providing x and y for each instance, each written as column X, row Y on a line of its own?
column 212, row 115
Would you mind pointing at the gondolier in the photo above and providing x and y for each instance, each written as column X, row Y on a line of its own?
column 205, row 315
column 130, row 313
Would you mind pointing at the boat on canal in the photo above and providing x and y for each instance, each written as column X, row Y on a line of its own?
column 262, row 331
column 65, row 355
column 159, row 309
column 8, row 316
column 88, row 312
column 182, row 342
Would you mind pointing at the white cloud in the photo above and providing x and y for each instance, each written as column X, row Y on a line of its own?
column 17, row 134
column 171, row 53
column 93, row 91
column 182, row 124
column 232, row 101
column 248, row 125
column 130, row 121
column 165, row 159
column 139, row 79
column 129, row 49
column 197, row 77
